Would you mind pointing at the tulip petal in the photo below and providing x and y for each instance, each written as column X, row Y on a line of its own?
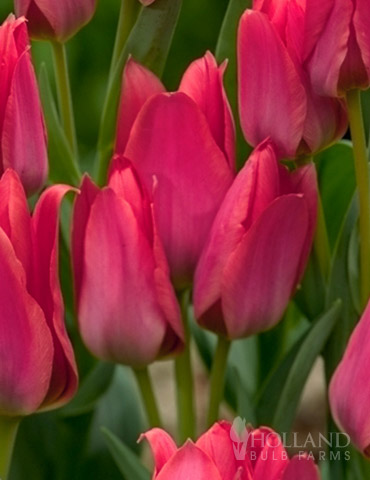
column 260, row 275
column 189, row 462
column 13, row 42
column 162, row 446
column 26, row 345
column 81, row 213
column 45, row 288
column 272, row 100
column 23, row 137
column 361, row 21
column 15, row 219
column 349, row 391
column 217, row 444
column 172, row 142
column 119, row 315
column 331, row 49
column 255, row 187
column 138, row 85
column 203, row 82
column 64, row 18
column 302, row 467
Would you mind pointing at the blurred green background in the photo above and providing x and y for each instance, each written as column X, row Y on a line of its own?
column 89, row 55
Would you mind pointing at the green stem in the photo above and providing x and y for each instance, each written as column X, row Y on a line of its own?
column 148, row 397
column 362, row 177
column 218, row 379
column 8, row 433
column 184, row 382
column 127, row 18
column 64, row 94
column 321, row 241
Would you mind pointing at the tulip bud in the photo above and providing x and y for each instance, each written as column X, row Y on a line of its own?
column 22, row 131
column 127, row 308
column 55, row 19
column 185, row 140
column 276, row 98
column 349, row 391
column 212, row 457
column 37, row 365
column 340, row 59
column 244, row 279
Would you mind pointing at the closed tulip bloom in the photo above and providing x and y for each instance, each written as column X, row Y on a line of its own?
column 349, row 391
column 185, row 140
column 22, row 133
column 127, row 308
column 55, row 19
column 340, row 57
column 276, row 97
column 213, row 456
column 37, row 366
column 258, row 247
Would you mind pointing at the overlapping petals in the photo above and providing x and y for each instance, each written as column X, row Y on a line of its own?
column 257, row 248
column 128, row 312
column 37, row 365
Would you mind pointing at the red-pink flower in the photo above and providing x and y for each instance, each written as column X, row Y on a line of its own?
column 127, row 308
column 22, row 132
column 37, row 365
column 349, row 391
column 182, row 145
column 339, row 59
column 55, row 19
column 276, row 98
column 221, row 454
column 258, row 247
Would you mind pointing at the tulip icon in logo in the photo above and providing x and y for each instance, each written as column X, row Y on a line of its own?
column 239, row 436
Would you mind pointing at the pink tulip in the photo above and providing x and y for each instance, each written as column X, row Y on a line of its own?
column 146, row 3
column 37, row 365
column 213, row 457
column 339, row 59
column 182, row 145
column 22, row 132
column 258, row 247
column 276, row 98
column 349, row 391
column 127, row 308
column 55, row 19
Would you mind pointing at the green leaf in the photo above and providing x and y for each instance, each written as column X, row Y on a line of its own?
column 62, row 165
column 95, row 384
column 339, row 288
column 282, row 392
column 128, row 463
column 149, row 43
column 337, row 182
column 226, row 49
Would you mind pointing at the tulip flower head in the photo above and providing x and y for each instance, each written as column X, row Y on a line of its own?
column 55, row 19
column 212, row 456
column 22, row 132
column 37, row 366
column 340, row 58
column 258, row 247
column 349, row 391
column 186, row 141
column 276, row 98
column 127, row 308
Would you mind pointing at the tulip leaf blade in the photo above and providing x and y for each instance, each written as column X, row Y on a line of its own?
column 311, row 347
column 94, row 386
column 126, row 460
column 149, row 43
column 62, row 165
column 278, row 401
